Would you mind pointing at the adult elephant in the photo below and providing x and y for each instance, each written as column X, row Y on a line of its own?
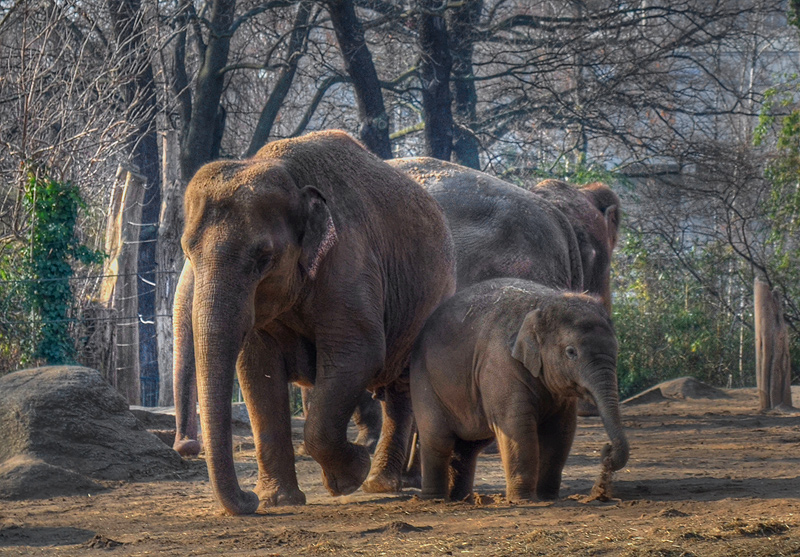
column 499, row 229
column 313, row 262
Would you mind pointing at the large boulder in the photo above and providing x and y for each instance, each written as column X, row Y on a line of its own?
column 63, row 428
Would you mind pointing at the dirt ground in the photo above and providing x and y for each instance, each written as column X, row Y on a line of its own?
column 705, row 478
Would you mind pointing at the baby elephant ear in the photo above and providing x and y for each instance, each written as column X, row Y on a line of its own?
column 525, row 347
column 319, row 235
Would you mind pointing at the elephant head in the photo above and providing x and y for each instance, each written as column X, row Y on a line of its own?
column 253, row 238
column 569, row 344
column 593, row 212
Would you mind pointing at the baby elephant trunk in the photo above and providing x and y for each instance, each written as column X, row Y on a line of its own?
column 602, row 383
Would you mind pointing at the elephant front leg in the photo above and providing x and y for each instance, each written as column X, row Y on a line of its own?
column 555, row 440
column 263, row 378
column 367, row 418
column 390, row 454
column 519, row 451
column 341, row 379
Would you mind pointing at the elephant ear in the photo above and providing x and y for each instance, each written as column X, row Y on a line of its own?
column 525, row 346
column 611, row 215
column 319, row 235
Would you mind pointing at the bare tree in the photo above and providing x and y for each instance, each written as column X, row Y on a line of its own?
column 374, row 122
column 434, row 71
column 463, row 26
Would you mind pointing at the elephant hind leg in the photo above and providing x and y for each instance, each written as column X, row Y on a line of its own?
column 368, row 420
column 263, row 378
column 436, row 452
column 386, row 474
column 462, row 467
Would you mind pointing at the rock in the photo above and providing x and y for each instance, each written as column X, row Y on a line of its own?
column 677, row 389
column 689, row 387
column 652, row 394
column 25, row 477
column 156, row 417
column 239, row 413
column 67, row 423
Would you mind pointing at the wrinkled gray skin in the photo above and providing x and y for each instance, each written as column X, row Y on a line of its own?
column 593, row 211
column 312, row 262
column 500, row 230
column 506, row 359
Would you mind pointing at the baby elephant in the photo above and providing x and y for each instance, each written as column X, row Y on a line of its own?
column 507, row 359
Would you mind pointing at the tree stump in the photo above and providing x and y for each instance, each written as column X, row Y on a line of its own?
column 773, row 366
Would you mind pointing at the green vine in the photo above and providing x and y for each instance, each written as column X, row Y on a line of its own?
column 53, row 208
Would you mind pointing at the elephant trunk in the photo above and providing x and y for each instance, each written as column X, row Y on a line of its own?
column 602, row 384
column 218, row 333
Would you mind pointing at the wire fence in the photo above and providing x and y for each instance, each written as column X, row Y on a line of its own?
column 95, row 330
column 94, row 327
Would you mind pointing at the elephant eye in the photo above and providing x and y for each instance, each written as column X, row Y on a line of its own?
column 262, row 261
column 571, row 352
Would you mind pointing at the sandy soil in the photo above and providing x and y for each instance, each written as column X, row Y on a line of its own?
column 705, row 478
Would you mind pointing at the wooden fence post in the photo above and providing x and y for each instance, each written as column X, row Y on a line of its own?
column 773, row 366
column 118, row 292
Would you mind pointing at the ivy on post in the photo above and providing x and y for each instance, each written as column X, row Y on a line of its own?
column 53, row 207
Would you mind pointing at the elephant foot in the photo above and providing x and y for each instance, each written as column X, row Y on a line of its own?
column 346, row 480
column 383, row 482
column 547, row 495
column 187, row 447
column 271, row 497
column 431, row 496
column 521, row 496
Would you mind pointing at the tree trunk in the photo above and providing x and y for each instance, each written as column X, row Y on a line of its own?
column 463, row 23
column 169, row 258
column 140, row 94
column 773, row 365
column 374, row 131
column 284, row 83
column 204, row 130
column 435, row 77
column 118, row 292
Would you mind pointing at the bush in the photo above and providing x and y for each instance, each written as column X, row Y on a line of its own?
column 669, row 326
